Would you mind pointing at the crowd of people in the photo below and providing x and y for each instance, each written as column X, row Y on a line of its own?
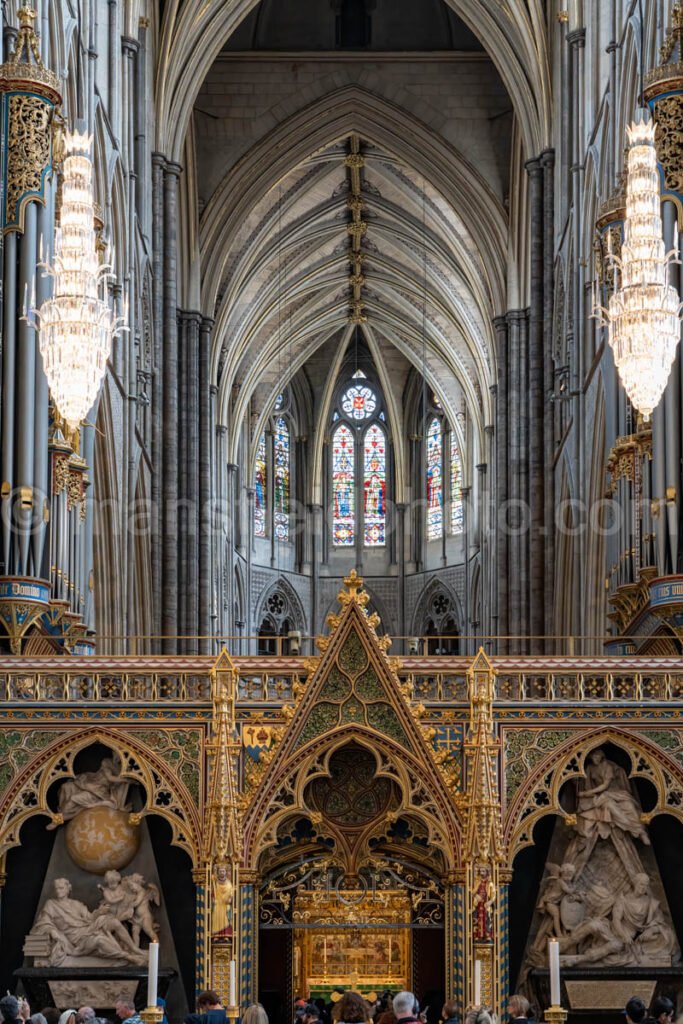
column 349, row 1008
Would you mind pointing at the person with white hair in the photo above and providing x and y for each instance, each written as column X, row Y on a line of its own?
column 406, row 1008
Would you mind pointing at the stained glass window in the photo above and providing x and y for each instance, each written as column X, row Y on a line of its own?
column 343, row 479
column 359, row 402
column 374, row 486
column 434, row 481
column 281, row 480
column 457, row 513
column 261, row 489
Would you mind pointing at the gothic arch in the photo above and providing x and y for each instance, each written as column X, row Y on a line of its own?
column 284, row 793
column 515, row 38
column 432, row 590
column 540, row 793
column 166, row 795
column 294, row 612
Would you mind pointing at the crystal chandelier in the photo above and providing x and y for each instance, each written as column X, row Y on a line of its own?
column 76, row 324
column 643, row 313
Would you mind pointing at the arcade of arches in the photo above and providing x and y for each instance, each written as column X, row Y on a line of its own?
column 342, row 640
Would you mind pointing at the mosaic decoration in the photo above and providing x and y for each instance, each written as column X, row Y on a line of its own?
column 181, row 749
column 17, row 747
column 343, row 458
column 281, row 480
column 457, row 508
column 375, row 486
column 524, row 749
column 434, row 481
column 260, row 489
column 359, row 402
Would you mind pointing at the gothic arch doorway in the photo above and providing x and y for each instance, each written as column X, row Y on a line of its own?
column 352, row 834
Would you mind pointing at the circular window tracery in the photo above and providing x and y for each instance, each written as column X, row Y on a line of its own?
column 359, row 402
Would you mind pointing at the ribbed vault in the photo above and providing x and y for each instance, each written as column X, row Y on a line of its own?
column 192, row 37
column 275, row 248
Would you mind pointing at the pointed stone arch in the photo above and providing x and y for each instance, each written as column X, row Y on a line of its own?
column 432, row 589
column 295, row 608
column 565, row 759
column 514, row 36
column 166, row 794
column 353, row 694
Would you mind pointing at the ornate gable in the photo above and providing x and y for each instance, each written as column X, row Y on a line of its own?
column 352, row 693
column 354, row 683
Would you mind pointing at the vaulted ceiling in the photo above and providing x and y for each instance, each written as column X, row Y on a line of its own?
column 276, row 229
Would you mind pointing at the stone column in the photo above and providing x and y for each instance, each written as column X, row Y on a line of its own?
column 501, row 491
column 251, row 497
column 232, row 469
column 158, row 164
column 192, row 495
column 400, row 520
column 514, row 477
column 169, row 620
column 183, row 495
column 548, row 542
column 318, row 524
column 536, row 406
column 466, row 493
column 204, row 494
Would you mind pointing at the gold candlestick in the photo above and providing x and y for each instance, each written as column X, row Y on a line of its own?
column 555, row 1015
column 232, row 1013
column 152, row 1015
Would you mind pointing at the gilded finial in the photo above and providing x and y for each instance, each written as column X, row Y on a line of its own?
column 26, row 16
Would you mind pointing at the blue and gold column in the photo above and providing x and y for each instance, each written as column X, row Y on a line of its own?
column 202, row 917
column 454, row 902
column 247, row 964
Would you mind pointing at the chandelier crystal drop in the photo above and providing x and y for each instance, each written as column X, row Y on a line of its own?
column 76, row 324
column 643, row 313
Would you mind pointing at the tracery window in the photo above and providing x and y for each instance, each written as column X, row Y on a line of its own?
column 359, row 468
column 260, row 488
column 457, row 510
column 343, row 481
column 445, row 508
column 281, row 475
column 434, row 480
column 272, row 478
column 375, row 486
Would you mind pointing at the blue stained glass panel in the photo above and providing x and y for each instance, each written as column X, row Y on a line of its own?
column 260, row 488
column 434, row 481
column 343, row 458
column 374, row 487
column 281, row 480
column 457, row 511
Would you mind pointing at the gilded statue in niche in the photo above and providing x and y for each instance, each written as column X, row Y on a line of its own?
column 223, row 892
column 483, row 901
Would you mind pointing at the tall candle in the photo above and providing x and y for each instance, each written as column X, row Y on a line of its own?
column 152, row 973
column 232, row 995
column 554, row 965
column 477, row 982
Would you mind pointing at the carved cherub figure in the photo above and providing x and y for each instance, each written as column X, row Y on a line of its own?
column 555, row 887
column 115, row 897
column 142, row 894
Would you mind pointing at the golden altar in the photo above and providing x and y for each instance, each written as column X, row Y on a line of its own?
column 351, row 938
